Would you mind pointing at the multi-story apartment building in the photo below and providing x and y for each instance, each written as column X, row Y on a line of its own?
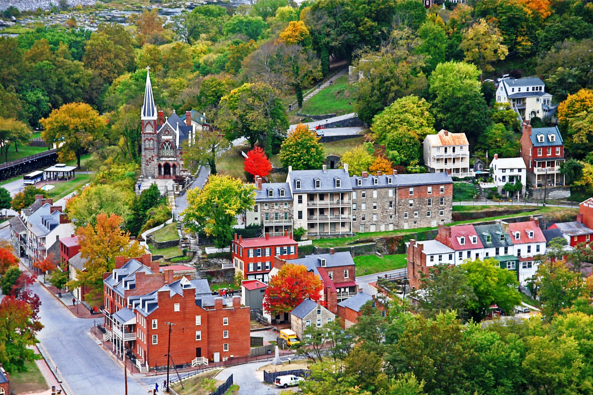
column 36, row 231
column 508, row 170
column 253, row 257
column 514, row 245
column 336, row 272
column 141, row 302
column 526, row 96
column 273, row 208
column 373, row 202
column 447, row 152
column 542, row 149
column 322, row 201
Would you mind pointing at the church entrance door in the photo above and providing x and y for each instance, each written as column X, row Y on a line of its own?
column 167, row 170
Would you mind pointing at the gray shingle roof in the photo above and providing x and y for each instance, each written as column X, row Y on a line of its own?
column 410, row 180
column 148, row 107
column 42, row 221
column 574, row 228
column 327, row 180
column 77, row 261
column 36, row 205
column 551, row 234
column 202, row 287
column 356, row 302
column 124, row 315
column 521, row 82
column 3, row 378
column 17, row 224
column 262, row 196
column 545, row 132
column 312, row 262
column 518, row 95
column 494, row 231
column 304, row 308
column 382, row 181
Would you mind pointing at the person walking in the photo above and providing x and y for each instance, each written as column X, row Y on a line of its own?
column 156, row 387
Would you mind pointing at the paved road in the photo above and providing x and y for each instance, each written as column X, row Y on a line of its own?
column 363, row 281
column 199, row 182
column 513, row 203
column 15, row 187
column 85, row 367
column 5, row 233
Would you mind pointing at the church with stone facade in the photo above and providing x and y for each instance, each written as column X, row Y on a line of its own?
column 163, row 139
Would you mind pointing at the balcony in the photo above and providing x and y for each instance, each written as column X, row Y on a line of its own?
column 341, row 296
column 329, row 218
column 451, row 155
column 546, row 170
column 328, row 203
column 127, row 336
column 279, row 221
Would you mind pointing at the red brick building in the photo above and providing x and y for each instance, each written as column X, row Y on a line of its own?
column 586, row 210
column 4, row 382
column 253, row 257
column 68, row 248
column 140, row 301
column 542, row 149
column 350, row 309
column 336, row 271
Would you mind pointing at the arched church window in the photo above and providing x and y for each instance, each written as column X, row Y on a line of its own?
column 167, row 149
column 148, row 128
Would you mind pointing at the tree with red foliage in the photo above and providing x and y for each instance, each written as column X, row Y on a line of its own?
column 7, row 259
column 289, row 288
column 257, row 163
column 45, row 265
column 17, row 334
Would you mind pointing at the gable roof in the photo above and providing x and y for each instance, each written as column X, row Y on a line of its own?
column 262, row 195
column 523, row 228
column 551, row 234
column 508, row 163
column 521, row 82
column 312, row 262
column 326, row 180
column 304, row 308
column 382, row 181
column 494, row 231
column 546, row 132
column 71, row 241
column 466, row 231
column 17, row 225
column 77, row 261
column 356, row 302
column 445, row 138
column 252, row 285
column 36, row 205
column 411, row 180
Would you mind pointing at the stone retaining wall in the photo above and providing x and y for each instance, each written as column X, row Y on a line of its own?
column 550, row 193
column 32, row 5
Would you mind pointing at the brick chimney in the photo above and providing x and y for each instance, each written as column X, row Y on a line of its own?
column 365, row 174
column 53, row 209
column 580, row 218
column 291, row 236
column 188, row 118
column 161, row 118
column 324, row 167
column 240, row 239
column 285, row 232
column 444, row 235
column 332, row 251
column 146, row 259
column 49, row 201
column 169, row 276
column 154, row 266
column 378, row 173
column 120, row 261
column 236, row 238
column 236, row 302
column 218, row 303
column 64, row 219
column 258, row 182
column 267, row 236
column 535, row 219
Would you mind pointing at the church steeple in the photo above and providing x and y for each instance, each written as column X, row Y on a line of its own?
column 149, row 112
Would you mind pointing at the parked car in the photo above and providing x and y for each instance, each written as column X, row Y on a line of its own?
column 288, row 380
column 522, row 309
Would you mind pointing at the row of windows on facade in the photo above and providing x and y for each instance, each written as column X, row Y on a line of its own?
column 445, row 161
column 474, row 239
column 258, row 266
column 142, row 323
column 428, row 214
column 276, row 205
column 257, row 252
column 510, row 265
column 338, row 184
column 319, row 323
column 452, row 149
column 533, row 89
column 548, row 151
column 497, row 252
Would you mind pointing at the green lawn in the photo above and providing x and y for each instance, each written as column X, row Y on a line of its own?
column 338, row 98
column 216, row 287
column 30, row 381
column 167, row 233
column 166, row 252
column 341, row 146
column 494, row 207
column 231, row 163
column 66, row 187
column 369, row 264
column 83, row 161
column 24, row 151
column 194, row 385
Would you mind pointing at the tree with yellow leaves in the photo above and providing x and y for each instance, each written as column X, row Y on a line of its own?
column 575, row 104
column 358, row 160
column 99, row 245
column 482, row 45
column 74, row 127
column 540, row 7
column 302, row 150
column 576, row 120
column 296, row 33
column 381, row 164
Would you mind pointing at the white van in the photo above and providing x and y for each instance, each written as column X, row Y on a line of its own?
column 288, row 380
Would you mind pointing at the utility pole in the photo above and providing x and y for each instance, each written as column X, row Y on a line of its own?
column 169, row 352
column 125, row 371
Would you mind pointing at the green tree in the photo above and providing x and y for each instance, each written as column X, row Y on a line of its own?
column 149, row 198
column 5, row 198
column 12, row 131
column 497, row 139
column 11, row 62
column 99, row 199
column 109, row 52
column 558, row 287
column 339, row 340
column 358, row 159
column 204, row 150
column 17, row 334
column 365, row 369
column 212, row 210
column 302, row 150
column 75, row 126
column 503, row 113
column 434, row 45
column 410, row 14
column 572, row 170
column 491, row 285
column 267, row 8
column 125, row 131
column 560, row 28
column 252, row 27
column 236, row 55
column 463, row 114
column 392, row 72
column 203, row 23
column 313, row 342
column 9, row 279
column 482, row 44
column 59, row 278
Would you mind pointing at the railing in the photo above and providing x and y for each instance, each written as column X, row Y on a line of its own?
column 328, row 218
column 199, row 361
column 345, row 295
column 544, row 170
column 28, row 158
column 127, row 336
column 451, row 155
column 326, row 203
column 278, row 221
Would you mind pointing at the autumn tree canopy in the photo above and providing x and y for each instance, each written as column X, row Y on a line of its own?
column 287, row 289
column 302, row 150
column 257, row 163
column 7, row 260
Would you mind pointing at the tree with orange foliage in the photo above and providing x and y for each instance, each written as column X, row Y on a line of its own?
column 257, row 163
column 99, row 245
column 296, row 33
column 45, row 265
column 381, row 164
column 287, row 289
column 7, row 260
column 150, row 27
column 541, row 7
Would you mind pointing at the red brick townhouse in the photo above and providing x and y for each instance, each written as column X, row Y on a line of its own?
column 4, row 382
column 586, row 210
column 253, row 257
column 141, row 302
column 350, row 309
column 542, row 150
column 336, row 271
column 68, row 248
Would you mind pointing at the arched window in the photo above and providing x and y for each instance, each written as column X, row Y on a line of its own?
column 167, row 149
column 148, row 128
column 149, row 144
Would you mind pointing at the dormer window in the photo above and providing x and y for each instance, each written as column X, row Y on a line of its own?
column 376, row 180
column 502, row 237
column 530, row 234
column 488, row 239
column 270, row 193
column 474, row 240
column 540, row 138
column 517, row 235
column 552, row 137
column 462, row 240
column 338, row 183
column 297, row 184
column 389, row 180
column 317, row 184
column 322, row 262
column 359, row 181
column 282, row 192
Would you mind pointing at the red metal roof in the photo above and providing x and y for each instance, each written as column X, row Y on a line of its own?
column 464, row 231
column 263, row 242
column 522, row 228
column 327, row 282
column 252, row 285
column 346, row 284
column 69, row 241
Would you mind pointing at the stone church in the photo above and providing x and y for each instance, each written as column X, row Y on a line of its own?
column 163, row 138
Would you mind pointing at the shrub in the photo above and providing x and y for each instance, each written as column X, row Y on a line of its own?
column 463, row 191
